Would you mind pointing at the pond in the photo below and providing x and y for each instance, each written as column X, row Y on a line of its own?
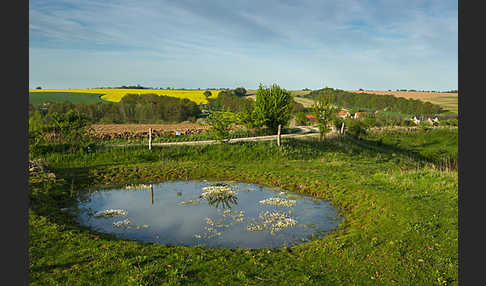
column 208, row 214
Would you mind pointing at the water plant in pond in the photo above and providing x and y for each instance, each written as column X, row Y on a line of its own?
column 274, row 221
column 218, row 192
column 137, row 187
column 122, row 223
column 219, row 195
column 278, row 202
column 110, row 213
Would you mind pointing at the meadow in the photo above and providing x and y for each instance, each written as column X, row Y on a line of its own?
column 399, row 209
column 115, row 95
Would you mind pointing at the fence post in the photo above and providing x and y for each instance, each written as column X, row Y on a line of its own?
column 150, row 138
column 151, row 194
column 278, row 134
column 342, row 128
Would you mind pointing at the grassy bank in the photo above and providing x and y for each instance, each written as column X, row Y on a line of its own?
column 400, row 214
column 434, row 145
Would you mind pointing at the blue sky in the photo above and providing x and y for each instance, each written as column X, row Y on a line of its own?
column 346, row 44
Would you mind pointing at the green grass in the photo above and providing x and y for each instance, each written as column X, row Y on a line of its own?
column 436, row 145
column 41, row 97
column 400, row 224
column 205, row 135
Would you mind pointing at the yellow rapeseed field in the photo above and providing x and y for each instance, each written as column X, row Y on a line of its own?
column 115, row 95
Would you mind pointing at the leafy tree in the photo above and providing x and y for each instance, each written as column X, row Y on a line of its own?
column 273, row 107
column 207, row 94
column 324, row 113
column 240, row 91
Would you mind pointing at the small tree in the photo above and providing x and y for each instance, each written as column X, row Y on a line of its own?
column 247, row 116
column 273, row 107
column 240, row 91
column 337, row 122
column 207, row 94
column 220, row 124
column 356, row 128
column 323, row 111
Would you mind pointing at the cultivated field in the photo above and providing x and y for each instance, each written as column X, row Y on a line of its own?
column 39, row 97
column 115, row 95
column 306, row 102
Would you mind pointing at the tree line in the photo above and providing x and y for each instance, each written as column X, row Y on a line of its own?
column 385, row 102
column 133, row 108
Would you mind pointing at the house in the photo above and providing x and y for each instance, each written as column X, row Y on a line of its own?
column 343, row 114
column 363, row 112
column 423, row 118
column 356, row 115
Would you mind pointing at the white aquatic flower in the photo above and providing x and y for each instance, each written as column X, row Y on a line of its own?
column 278, row 202
column 111, row 212
column 137, row 187
column 217, row 192
column 274, row 221
column 122, row 223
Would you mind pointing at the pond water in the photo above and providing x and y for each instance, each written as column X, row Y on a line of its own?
column 208, row 214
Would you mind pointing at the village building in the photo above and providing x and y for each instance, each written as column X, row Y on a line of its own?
column 343, row 114
column 424, row 118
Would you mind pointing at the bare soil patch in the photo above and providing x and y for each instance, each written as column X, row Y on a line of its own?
column 141, row 130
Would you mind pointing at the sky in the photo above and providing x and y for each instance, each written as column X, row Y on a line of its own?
column 344, row 44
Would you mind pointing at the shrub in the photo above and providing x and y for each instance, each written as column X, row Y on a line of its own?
column 324, row 113
column 356, row 128
column 220, row 124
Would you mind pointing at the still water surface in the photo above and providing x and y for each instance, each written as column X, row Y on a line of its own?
column 174, row 213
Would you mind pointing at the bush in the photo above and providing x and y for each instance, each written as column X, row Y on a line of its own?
column 220, row 124
column 356, row 128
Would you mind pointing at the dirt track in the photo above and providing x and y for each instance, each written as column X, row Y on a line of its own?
column 305, row 132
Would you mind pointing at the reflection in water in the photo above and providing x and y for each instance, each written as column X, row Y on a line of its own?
column 224, row 202
column 237, row 215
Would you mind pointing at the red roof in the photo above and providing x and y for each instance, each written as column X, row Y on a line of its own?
column 310, row 116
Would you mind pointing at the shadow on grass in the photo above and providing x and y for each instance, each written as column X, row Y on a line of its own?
column 446, row 163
